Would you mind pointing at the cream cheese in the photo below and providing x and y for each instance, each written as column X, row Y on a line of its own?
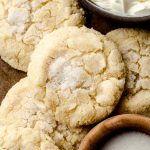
column 129, row 8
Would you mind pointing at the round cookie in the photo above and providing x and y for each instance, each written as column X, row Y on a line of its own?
column 82, row 73
column 23, row 23
column 134, row 45
column 23, row 110
column 12, row 138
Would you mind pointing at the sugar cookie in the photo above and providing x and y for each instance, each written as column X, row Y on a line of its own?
column 134, row 45
column 82, row 73
column 23, row 23
column 24, row 111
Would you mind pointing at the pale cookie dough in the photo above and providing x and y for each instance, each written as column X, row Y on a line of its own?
column 12, row 138
column 134, row 45
column 82, row 73
column 23, row 109
column 24, row 22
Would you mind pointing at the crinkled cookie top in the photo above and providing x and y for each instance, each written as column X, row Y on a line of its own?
column 26, row 122
column 82, row 73
column 15, row 138
column 24, row 22
column 134, row 45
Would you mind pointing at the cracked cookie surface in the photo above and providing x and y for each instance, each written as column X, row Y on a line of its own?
column 23, row 23
column 82, row 73
column 134, row 45
column 12, row 137
column 25, row 122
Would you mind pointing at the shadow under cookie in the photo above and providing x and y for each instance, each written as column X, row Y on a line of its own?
column 8, row 77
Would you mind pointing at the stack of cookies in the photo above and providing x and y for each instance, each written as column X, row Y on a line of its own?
column 75, row 75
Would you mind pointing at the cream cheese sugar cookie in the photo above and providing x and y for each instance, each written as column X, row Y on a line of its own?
column 23, row 23
column 134, row 45
column 23, row 111
column 82, row 73
column 12, row 138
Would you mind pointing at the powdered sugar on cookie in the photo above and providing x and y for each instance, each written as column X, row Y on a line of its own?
column 82, row 72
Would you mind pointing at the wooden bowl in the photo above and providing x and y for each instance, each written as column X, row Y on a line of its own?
column 113, row 125
column 141, row 21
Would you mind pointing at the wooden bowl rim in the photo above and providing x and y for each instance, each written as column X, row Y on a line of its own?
column 130, row 121
column 96, row 9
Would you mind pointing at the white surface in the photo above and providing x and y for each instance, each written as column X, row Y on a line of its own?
column 126, row 7
column 128, row 141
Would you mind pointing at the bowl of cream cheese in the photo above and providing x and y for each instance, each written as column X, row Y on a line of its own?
column 122, row 11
